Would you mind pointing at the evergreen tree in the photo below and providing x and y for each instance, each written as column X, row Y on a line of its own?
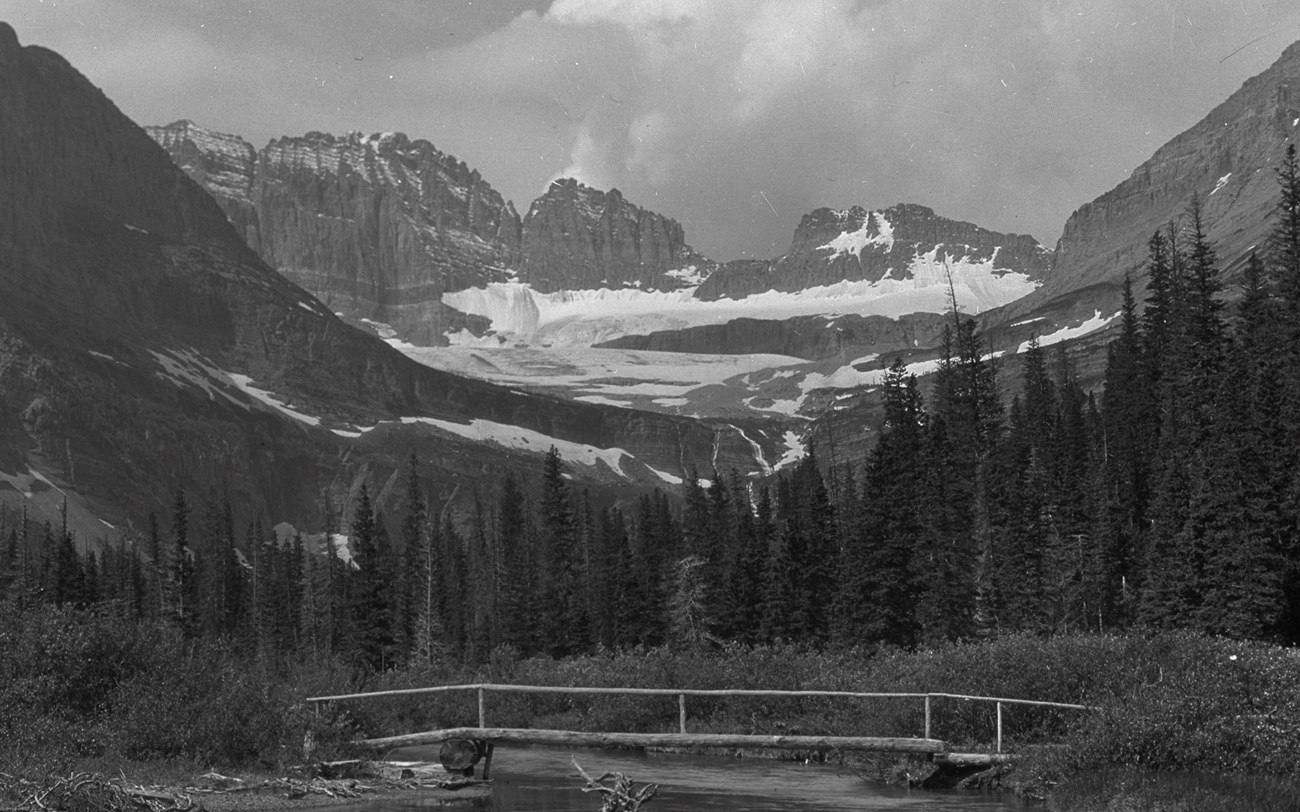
column 878, row 582
column 183, row 587
column 370, row 607
column 1128, row 423
column 565, row 629
column 415, row 579
column 520, row 601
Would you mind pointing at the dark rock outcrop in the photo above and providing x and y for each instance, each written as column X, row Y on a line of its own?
column 576, row 237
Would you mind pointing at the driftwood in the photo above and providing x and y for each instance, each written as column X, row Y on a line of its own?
column 90, row 792
column 621, row 795
column 87, row 792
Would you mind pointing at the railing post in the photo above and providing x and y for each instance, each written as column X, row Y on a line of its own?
column 482, row 710
column 927, row 716
column 999, row 727
column 681, row 710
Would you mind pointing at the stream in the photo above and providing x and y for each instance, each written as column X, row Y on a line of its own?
column 542, row 779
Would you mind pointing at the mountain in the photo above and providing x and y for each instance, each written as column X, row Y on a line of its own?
column 380, row 227
column 1228, row 159
column 396, row 232
column 903, row 242
column 144, row 346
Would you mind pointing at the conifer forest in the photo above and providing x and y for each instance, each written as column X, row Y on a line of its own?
column 1168, row 499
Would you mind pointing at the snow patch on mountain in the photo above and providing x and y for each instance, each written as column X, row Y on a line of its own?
column 850, row 377
column 186, row 368
column 794, row 451
column 665, row 476
column 522, row 439
column 245, row 384
column 1092, row 325
column 852, row 242
column 691, row 275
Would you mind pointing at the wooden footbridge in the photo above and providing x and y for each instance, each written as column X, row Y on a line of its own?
column 482, row 739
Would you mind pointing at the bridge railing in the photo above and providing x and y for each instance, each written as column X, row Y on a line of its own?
column 484, row 688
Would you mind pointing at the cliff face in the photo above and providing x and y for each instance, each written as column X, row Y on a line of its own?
column 576, row 237
column 831, row 246
column 376, row 226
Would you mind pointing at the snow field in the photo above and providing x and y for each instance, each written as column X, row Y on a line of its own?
column 580, row 318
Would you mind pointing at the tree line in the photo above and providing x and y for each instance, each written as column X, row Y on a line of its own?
column 1169, row 500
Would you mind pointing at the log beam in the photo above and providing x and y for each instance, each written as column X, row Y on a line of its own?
column 579, row 738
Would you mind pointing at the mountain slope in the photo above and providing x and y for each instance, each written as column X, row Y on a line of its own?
column 1228, row 159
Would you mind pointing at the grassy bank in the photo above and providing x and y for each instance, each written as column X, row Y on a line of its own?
column 83, row 691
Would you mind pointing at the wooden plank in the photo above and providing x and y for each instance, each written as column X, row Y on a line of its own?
column 578, row 738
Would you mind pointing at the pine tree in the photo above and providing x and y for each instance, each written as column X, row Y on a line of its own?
column 520, row 600
column 877, row 584
column 566, row 629
column 183, row 593
column 1129, row 421
column 1284, row 243
column 415, row 577
column 688, row 620
column 370, row 607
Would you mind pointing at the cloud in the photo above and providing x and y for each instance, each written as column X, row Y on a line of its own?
column 735, row 117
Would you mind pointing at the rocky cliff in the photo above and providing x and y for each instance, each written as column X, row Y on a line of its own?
column 144, row 346
column 576, row 237
column 376, row 226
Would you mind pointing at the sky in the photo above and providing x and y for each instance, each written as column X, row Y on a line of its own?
column 734, row 117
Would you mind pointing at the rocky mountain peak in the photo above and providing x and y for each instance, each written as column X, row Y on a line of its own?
column 222, row 163
column 906, row 241
column 577, row 237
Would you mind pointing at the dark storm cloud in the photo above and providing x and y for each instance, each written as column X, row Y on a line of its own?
column 734, row 116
